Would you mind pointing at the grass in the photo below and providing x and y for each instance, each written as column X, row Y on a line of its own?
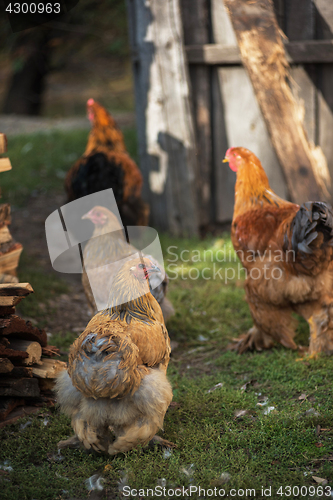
column 224, row 438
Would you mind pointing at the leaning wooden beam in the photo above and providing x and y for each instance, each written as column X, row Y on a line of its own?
column 263, row 56
column 303, row 52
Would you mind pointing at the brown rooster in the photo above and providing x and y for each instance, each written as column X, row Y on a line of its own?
column 287, row 251
column 108, row 246
column 106, row 164
column 116, row 390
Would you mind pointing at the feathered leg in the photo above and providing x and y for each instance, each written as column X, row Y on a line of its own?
column 320, row 319
column 138, row 433
column 271, row 324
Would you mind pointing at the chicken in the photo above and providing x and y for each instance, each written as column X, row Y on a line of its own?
column 108, row 246
column 106, row 164
column 116, row 390
column 287, row 253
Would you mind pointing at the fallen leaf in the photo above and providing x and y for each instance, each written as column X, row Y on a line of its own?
column 320, row 480
column 269, row 409
column 220, row 384
column 302, row 397
column 311, row 413
column 225, row 477
column 319, row 445
column 240, row 413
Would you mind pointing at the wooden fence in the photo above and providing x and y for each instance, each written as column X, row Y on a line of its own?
column 224, row 107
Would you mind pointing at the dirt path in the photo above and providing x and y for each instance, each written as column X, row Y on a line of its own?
column 15, row 124
column 28, row 227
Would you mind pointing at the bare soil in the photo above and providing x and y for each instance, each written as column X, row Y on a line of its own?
column 69, row 311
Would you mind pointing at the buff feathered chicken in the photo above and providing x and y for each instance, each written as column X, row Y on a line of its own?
column 106, row 164
column 108, row 246
column 287, row 251
column 115, row 390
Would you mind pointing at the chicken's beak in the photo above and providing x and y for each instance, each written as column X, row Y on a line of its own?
column 225, row 160
column 87, row 215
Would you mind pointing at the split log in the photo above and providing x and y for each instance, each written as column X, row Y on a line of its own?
column 19, row 290
column 19, row 372
column 5, row 164
column 7, row 405
column 6, row 366
column 264, row 57
column 12, row 354
column 19, row 387
column 6, row 310
column 22, row 329
column 3, row 143
column 5, row 218
column 49, row 368
column 5, row 235
column 46, row 385
column 32, row 349
column 9, row 260
column 10, row 301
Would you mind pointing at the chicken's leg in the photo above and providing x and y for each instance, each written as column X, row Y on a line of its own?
column 271, row 324
column 138, row 433
column 320, row 319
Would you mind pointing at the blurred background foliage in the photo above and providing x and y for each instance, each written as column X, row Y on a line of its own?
column 54, row 68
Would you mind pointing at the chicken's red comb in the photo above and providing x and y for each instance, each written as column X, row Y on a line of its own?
column 90, row 102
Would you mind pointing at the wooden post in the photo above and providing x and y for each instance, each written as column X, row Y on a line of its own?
column 324, row 28
column 195, row 17
column 165, row 125
column 237, row 119
column 264, row 57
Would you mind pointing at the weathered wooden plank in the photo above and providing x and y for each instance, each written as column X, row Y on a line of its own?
column 324, row 30
column 299, row 25
column 165, row 124
column 298, row 52
column 237, row 121
column 264, row 58
column 195, row 27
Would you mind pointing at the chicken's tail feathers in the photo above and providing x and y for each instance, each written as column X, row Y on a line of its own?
column 68, row 397
column 105, row 367
column 311, row 236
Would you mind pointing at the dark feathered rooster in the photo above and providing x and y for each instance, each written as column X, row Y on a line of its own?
column 106, row 164
column 116, row 390
column 287, row 251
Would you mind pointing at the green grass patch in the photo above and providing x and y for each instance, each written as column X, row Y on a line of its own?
column 261, row 420
column 40, row 162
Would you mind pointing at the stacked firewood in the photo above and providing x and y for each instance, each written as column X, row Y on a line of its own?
column 10, row 251
column 27, row 370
